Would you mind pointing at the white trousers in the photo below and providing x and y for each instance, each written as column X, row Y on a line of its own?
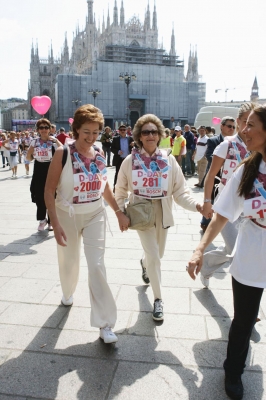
column 214, row 259
column 153, row 242
column 92, row 228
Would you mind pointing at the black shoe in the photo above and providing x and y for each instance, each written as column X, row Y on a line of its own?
column 234, row 388
column 157, row 314
column 145, row 277
column 4, row 166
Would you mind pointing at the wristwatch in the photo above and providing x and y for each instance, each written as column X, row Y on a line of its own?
column 207, row 201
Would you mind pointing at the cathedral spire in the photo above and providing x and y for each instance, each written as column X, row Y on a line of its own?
column 66, row 51
column 90, row 12
column 154, row 19
column 36, row 57
column 103, row 25
column 115, row 15
column 32, row 52
column 172, row 51
column 254, row 91
column 122, row 15
column 148, row 18
column 52, row 52
column 108, row 19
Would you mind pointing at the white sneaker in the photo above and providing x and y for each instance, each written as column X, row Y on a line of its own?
column 42, row 225
column 205, row 281
column 27, row 173
column 67, row 302
column 107, row 335
column 13, row 176
column 50, row 228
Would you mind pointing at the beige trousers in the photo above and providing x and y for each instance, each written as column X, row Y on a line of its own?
column 92, row 229
column 202, row 165
column 153, row 242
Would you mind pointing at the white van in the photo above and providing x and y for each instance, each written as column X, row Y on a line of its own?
column 212, row 116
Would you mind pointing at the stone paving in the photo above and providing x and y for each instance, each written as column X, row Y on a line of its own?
column 48, row 351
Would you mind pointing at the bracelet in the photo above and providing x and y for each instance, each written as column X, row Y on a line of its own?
column 207, row 201
column 118, row 210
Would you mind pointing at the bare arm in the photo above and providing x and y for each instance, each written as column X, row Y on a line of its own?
column 215, row 226
column 216, row 165
column 52, row 180
column 30, row 153
column 123, row 220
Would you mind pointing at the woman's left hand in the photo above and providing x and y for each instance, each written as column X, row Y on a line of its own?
column 123, row 221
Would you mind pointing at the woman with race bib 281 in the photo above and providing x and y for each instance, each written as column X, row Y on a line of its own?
column 150, row 175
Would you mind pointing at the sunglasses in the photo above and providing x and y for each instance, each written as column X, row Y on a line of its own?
column 147, row 133
column 44, row 127
column 230, row 126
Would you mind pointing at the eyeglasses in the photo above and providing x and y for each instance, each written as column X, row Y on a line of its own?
column 147, row 133
column 230, row 126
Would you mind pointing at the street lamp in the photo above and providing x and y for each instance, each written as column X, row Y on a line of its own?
column 77, row 101
column 127, row 78
column 94, row 93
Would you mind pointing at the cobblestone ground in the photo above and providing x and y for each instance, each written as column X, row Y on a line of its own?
column 48, row 351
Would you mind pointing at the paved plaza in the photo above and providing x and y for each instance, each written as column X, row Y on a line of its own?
column 48, row 351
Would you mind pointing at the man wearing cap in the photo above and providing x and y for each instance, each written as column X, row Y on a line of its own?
column 121, row 147
column 179, row 147
column 199, row 155
column 62, row 135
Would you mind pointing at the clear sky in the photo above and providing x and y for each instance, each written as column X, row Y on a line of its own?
column 229, row 34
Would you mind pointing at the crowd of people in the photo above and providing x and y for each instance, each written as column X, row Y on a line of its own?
column 70, row 183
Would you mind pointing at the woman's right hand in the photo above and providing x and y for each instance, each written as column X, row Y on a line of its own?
column 60, row 235
column 195, row 264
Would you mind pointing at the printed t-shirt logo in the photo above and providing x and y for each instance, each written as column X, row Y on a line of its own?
column 150, row 174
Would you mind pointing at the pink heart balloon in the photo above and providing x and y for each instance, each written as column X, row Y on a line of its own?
column 70, row 120
column 216, row 120
column 41, row 104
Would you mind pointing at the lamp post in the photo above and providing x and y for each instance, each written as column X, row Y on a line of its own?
column 127, row 78
column 94, row 93
column 76, row 102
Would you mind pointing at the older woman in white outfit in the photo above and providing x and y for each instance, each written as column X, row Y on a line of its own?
column 150, row 175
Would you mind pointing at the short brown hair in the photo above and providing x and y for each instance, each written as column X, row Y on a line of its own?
column 43, row 121
column 86, row 113
column 145, row 119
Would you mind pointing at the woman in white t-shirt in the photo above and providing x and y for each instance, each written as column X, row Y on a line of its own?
column 244, row 193
column 12, row 145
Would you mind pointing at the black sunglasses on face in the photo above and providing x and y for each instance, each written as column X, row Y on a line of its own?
column 44, row 127
column 230, row 126
column 147, row 132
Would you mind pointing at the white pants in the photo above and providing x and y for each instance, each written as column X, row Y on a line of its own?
column 214, row 259
column 92, row 228
column 153, row 242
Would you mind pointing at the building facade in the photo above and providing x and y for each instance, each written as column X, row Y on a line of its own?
column 100, row 60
